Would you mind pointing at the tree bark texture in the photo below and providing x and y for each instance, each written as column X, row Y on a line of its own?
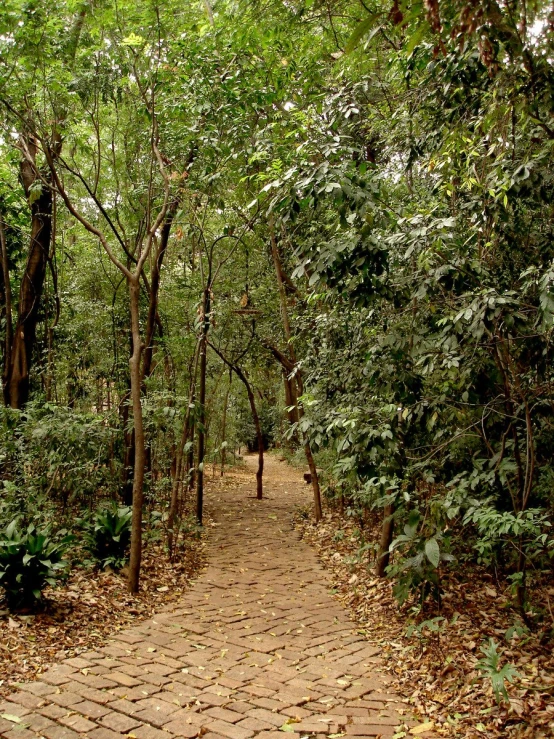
column 18, row 363
column 387, row 531
column 202, row 407
column 179, row 462
column 140, row 447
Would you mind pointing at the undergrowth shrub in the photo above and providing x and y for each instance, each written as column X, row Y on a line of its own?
column 30, row 559
column 107, row 535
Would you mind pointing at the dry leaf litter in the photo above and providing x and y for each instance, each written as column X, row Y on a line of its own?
column 437, row 672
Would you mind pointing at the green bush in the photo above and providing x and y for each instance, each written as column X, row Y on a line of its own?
column 29, row 561
column 108, row 535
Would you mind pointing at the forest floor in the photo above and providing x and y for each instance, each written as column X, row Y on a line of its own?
column 257, row 646
column 431, row 653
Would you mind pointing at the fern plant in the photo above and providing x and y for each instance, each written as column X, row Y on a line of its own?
column 490, row 667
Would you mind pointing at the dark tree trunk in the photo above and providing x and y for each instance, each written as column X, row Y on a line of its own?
column 128, row 451
column 140, row 449
column 18, row 363
column 7, row 298
column 202, row 407
column 387, row 530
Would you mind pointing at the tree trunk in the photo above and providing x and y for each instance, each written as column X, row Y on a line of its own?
column 18, row 364
column 259, row 435
column 155, row 289
column 202, row 408
column 387, row 531
column 289, row 367
column 255, row 417
column 224, row 425
column 292, row 406
column 6, row 288
column 140, row 451
column 175, row 490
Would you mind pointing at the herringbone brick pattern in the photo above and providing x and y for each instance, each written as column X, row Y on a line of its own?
column 257, row 644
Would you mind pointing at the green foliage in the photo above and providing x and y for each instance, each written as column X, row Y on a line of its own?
column 407, row 186
column 489, row 665
column 58, row 450
column 418, row 569
column 30, row 559
column 107, row 535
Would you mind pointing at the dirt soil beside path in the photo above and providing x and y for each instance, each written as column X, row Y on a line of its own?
column 256, row 647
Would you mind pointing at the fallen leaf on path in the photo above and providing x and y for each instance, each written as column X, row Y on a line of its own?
column 422, row 728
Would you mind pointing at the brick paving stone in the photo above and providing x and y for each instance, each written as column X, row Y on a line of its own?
column 155, row 718
column 92, row 694
column 13, row 709
column 149, row 732
column 78, row 723
column 119, row 722
column 59, row 732
column 19, row 733
column 268, row 716
column 5, row 725
column 91, row 710
column 102, row 733
column 39, row 688
column 36, row 722
column 26, row 699
column 53, row 711
column 156, row 704
column 122, row 705
column 224, row 714
column 257, row 641
column 255, row 724
column 65, row 699
column 231, row 731
column 182, row 728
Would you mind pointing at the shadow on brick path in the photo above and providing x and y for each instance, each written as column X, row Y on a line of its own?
column 256, row 644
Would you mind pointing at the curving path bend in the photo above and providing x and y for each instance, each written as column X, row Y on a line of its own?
column 256, row 648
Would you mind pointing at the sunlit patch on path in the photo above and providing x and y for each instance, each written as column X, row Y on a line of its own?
column 257, row 647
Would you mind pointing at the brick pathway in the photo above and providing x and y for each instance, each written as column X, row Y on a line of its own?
column 257, row 644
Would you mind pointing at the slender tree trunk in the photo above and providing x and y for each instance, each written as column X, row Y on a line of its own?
column 255, row 418
column 155, row 276
column 202, row 407
column 291, row 401
column 259, row 435
column 310, row 457
column 179, row 458
column 289, row 365
column 140, row 451
column 7, row 300
column 387, row 532
column 224, row 425
column 190, row 469
column 293, row 368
